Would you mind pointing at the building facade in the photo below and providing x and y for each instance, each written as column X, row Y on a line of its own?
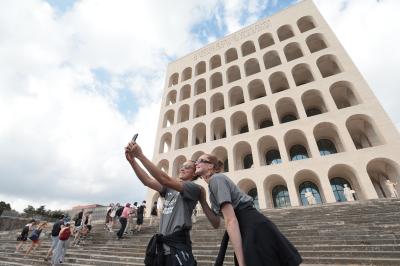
column 283, row 106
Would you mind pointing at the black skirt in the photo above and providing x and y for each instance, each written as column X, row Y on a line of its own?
column 263, row 243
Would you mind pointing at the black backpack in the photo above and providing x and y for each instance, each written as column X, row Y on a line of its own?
column 119, row 211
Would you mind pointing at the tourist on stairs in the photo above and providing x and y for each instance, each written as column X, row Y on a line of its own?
column 172, row 246
column 256, row 241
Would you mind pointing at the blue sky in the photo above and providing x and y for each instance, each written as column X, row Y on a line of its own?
column 205, row 30
column 61, row 6
column 78, row 78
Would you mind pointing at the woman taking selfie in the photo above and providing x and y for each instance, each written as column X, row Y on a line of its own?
column 256, row 241
column 181, row 196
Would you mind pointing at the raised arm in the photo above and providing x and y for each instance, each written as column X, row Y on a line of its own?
column 162, row 177
column 141, row 174
column 214, row 219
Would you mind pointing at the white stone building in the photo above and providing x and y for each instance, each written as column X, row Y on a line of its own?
column 283, row 105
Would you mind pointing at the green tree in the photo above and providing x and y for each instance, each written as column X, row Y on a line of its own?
column 55, row 214
column 4, row 207
column 30, row 210
column 41, row 211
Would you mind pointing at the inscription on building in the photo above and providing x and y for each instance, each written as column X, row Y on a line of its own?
column 238, row 36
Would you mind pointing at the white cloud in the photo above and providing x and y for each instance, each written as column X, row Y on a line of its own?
column 61, row 134
column 61, row 131
column 367, row 29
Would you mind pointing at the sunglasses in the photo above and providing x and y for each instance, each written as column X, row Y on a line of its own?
column 187, row 166
column 203, row 161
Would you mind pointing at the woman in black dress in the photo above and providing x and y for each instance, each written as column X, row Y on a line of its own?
column 256, row 241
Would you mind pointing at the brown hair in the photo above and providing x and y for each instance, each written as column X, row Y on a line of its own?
column 218, row 164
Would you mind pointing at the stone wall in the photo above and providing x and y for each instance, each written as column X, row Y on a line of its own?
column 12, row 223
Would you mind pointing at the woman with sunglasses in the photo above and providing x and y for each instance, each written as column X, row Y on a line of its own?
column 181, row 196
column 256, row 241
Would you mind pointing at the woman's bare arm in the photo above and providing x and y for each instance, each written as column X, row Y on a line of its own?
column 142, row 175
column 214, row 219
column 162, row 177
column 232, row 227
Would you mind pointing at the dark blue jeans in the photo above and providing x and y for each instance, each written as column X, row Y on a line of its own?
column 123, row 222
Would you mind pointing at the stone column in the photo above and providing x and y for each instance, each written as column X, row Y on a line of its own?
column 366, row 184
column 261, row 195
column 293, row 194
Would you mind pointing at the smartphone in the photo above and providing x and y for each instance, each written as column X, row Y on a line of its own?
column 135, row 137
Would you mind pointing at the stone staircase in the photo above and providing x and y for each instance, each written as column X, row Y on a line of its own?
column 357, row 233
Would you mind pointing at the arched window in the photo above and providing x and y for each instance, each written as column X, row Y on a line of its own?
column 273, row 157
column 343, row 95
column 217, row 102
column 266, row 123
column 305, row 24
column 226, row 165
column 185, row 92
column 233, row 74
column 218, row 130
column 280, row 195
column 248, row 161
column 248, row 48
column 309, row 186
column 328, row 66
column 288, row 118
column 278, row 82
column 183, row 113
column 242, row 156
column 363, row 132
column 302, row 74
column 171, row 98
column 313, row 103
column 216, row 80
column 271, row 59
column 239, row 123
column 231, row 55
column 165, row 143
column 215, row 61
column 316, row 42
column 199, row 134
column 200, row 68
column 326, row 147
column 253, row 193
column 173, row 80
column 285, row 32
column 251, row 67
column 244, row 129
column 181, row 139
column 298, row 152
column 187, row 74
column 199, row 108
column 265, row 40
column 292, row 51
column 169, row 118
column 337, row 184
column 262, row 117
column 313, row 111
column 235, row 96
column 200, row 86
column 256, row 89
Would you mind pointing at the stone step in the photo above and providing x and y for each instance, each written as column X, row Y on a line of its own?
column 363, row 232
